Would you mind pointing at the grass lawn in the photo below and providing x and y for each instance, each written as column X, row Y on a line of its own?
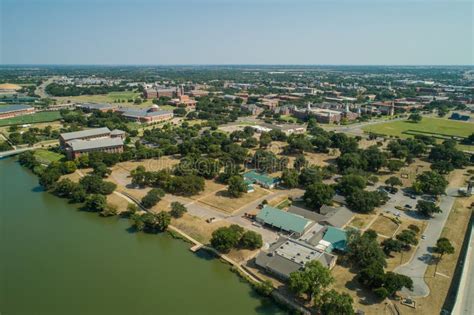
column 427, row 126
column 220, row 200
column 46, row 157
column 288, row 118
column 384, row 226
column 284, row 204
column 107, row 98
column 360, row 221
column 30, row 119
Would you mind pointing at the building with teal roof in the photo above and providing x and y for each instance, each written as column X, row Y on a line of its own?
column 337, row 238
column 262, row 179
column 249, row 185
column 288, row 222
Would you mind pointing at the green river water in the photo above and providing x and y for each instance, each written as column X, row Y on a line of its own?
column 55, row 259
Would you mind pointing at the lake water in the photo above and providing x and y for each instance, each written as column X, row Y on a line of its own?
column 55, row 259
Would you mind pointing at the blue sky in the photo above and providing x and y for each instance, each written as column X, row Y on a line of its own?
column 236, row 32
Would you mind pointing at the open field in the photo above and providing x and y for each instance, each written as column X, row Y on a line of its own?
column 428, row 126
column 30, row 119
column 361, row 221
column 384, row 226
column 46, row 157
column 221, row 201
column 111, row 97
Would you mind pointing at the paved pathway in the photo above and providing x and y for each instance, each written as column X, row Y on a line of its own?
column 416, row 267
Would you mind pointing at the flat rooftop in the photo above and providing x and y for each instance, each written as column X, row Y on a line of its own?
column 80, row 145
column 85, row 133
column 13, row 108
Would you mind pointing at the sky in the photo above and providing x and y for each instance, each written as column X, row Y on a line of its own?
column 163, row 32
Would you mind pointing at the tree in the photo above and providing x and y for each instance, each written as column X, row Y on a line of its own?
column 64, row 188
column 390, row 245
column 95, row 203
column 138, row 222
column 408, row 238
column 187, row 185
column 152, row 197
column 375, row 158
column 363, row 250
column 415, row 117
column 109, row 211
column 365, row 201
column 317, row 195
column 443, row 246
column 101, row 170
column 162, row 220
column 69, row 167
column 299, row 162
column 310, row 175
column 289, row 178
column 350, row 183
column 225, row 238
column 177, row 209
column 265, row 288
column 394, row 282
column 334, row 303
column 251, row 240
column 237, row 186
column 138, row 176
column 311, row 280
column 132, row 209
column 393, row 181
column 394, row 165
column 94, row 184
column 431, row 183
column 78, row 194
column 427, row 208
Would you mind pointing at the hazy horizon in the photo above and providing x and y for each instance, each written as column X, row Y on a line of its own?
column 237, row 32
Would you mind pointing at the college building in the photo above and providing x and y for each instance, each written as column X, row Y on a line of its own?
column 93, row 140
column 147, row 115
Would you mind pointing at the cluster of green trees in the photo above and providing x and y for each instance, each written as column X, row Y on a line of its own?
column 226, row 238
column 365, row 253
column 76, row 120
column 186, row 185
column 56, row 89
column 151, row 222
column 431, row 183
column 90, row 190
column 152, row 197
column 32, row 135
column 445, row 157
column 312, row 282
column 5, row 146
column 217, row 111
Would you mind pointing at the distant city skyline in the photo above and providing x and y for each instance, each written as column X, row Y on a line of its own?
column 238, row 32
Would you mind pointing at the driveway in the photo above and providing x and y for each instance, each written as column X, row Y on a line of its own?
column 416, row 267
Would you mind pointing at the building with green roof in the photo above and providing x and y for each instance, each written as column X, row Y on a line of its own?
column 261, row 179
column 249, row 185
column 337, row 238
column 288, row 222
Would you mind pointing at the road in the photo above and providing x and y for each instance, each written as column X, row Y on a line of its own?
column 464, row 301
column 40, row 90
column 416, row 267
